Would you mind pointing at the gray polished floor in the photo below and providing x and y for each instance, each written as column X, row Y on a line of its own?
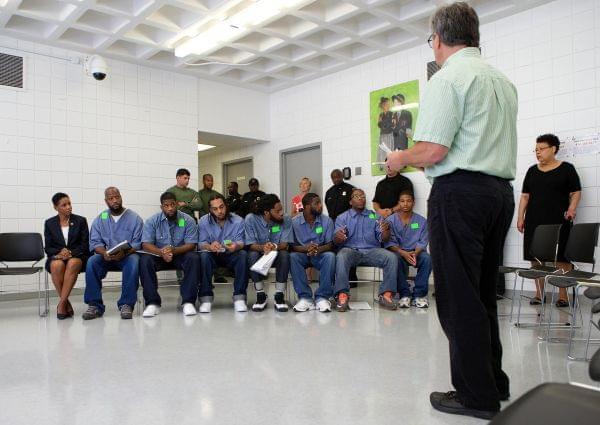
column 360, row 367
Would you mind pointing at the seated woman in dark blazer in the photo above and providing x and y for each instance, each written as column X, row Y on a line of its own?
column 67, row 246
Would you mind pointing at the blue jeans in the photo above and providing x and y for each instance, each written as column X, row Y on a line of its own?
column 421, row 279
column 236, row 262
column 324, row 262
column 188, row 262
column 282, row 269
column 96, row 270
column 374, row 257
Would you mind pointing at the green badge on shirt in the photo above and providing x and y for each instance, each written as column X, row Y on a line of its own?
column 319, row 230
column 104, row 215
column 227, row 242
column 181, row 222
column 373, row 216
column 414, row 226
column 275, row 229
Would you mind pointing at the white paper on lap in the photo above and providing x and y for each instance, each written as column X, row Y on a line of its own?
column 264, row 263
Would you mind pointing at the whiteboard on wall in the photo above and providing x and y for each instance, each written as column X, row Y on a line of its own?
column 584, row 145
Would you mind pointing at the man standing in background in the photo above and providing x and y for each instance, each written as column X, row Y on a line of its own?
column 206, row 193
column 466, row 139
column 234, row 200
column 337, row 197
column 188, row 200
column 250, row 198
column 337, row 200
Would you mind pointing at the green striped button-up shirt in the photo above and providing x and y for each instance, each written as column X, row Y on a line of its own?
column 471, row 108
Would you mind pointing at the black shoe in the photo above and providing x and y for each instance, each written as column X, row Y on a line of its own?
column 561, row 303
column 219, row 279
column 261, row 302
column 280, row 304
column 61, row 316
column 449, row 403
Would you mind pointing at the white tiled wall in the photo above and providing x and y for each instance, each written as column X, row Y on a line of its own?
column 551, row 53
column 67, row 132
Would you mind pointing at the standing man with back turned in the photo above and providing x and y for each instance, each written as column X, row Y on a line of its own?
column 466, row 140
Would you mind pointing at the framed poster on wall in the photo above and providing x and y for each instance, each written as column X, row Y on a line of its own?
column 393, row 115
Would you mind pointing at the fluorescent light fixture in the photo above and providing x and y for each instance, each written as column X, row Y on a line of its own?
column 224, row 31
column 219, row 32
column 256, row 13
column 202, row 147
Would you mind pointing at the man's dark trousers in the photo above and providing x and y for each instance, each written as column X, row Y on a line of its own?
column 189, row 263
column 469, row 216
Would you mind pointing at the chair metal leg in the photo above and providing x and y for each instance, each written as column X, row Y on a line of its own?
column 512, row 301
column 520, row 296
column 46, row 309
column 47, row 292
column 518, row 323
column 39, row 296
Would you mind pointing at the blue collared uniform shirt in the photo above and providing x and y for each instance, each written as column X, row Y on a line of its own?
column 105, row 232
column 161, row 232
column 210, row 231
column 362, row 227
column 408, row 236
column 321, row 231
column 260, row 232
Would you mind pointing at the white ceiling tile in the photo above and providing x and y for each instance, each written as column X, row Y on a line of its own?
column 299, row 43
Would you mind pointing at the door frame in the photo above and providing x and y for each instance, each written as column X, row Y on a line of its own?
column 282, row 170
column 233, row 162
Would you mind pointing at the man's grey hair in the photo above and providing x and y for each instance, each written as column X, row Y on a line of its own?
column 456, row 24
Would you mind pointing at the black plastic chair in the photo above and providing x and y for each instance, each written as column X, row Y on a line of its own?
column 22, row 247
column 544, row 248
column 556, row 404
column 553, row 404
column 580, row 248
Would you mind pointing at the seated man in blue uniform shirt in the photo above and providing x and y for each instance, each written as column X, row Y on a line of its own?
column 113, row 226
column 221, row 240
column 313, row 244
column 409, row 241
column 269, row 230
column 359, row 232
column 169, row 239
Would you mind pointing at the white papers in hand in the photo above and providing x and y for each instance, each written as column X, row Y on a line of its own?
column 264, row 263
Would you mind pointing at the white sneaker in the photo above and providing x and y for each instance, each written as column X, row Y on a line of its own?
column 189, row 309
column 304, row 305
column 240, row 306
column 205, row 307
column 404, row 302
column 421, row 302
column 151, row 310
column 324, row 306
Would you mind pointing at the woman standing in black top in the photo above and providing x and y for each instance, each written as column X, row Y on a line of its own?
column 66, row 238
column 550, row 194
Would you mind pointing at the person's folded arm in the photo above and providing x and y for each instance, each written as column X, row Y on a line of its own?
column 151, row 248
column 186, row 247
column 325, row 247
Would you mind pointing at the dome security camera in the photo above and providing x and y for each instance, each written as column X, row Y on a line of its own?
column 95, row 66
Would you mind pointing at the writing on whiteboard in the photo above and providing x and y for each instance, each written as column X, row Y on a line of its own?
column 585, row 145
